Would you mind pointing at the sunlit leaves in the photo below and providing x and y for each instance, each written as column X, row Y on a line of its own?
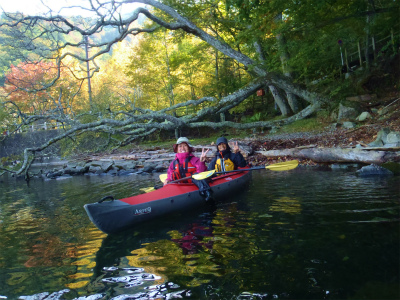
column 26, row 81
column 164, row 71
column 110, row 86
column 27, row 86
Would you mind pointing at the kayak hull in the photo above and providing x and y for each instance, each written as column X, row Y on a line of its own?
column 117, row 215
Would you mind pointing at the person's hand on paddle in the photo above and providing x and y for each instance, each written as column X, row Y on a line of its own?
column 236, row 147
column 203, row 154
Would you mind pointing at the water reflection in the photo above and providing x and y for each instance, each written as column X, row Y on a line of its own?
column 291, row 235
column 287, row 205
column 194, row 239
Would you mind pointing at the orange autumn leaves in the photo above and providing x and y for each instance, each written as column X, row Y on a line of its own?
column 26, row 84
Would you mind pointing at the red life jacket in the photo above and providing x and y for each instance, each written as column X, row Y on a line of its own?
column 183, row 170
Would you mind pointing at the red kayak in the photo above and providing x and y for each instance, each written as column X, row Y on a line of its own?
column 117, row 215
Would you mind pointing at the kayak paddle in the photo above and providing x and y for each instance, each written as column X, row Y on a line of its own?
column 198, row 176
column 163, row 177
column 283, row 166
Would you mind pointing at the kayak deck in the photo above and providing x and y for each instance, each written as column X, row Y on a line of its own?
column 116, row 215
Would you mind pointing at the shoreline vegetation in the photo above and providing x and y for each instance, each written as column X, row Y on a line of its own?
column 362, row 130
column 333, row 148
column 348, row 137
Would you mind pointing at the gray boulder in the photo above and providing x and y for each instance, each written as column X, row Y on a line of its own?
column 159, row 168
column 393, row 138
column 347, row 113
column 349, row 125
column 95, row 169
column 125, row 164
column 148, row 168
column 112, row 171
column 364, row 116
column 381, row 138
column 78, row 170
column 104, row 165
column 54, row 174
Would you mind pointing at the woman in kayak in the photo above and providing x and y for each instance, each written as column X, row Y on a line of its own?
column 225, row 159
column 185, row 163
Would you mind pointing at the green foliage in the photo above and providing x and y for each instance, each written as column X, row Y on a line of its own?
column 309, row 32
column 168, row 71
column 258, row 116
column 5, row 119
column 335, row 87
column 305, row 125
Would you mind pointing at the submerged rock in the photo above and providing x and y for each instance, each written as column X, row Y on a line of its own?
column 374, row 170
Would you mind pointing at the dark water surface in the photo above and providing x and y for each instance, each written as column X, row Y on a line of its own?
column 303, row 234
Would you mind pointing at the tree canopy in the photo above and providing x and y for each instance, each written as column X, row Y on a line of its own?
column 180, row 64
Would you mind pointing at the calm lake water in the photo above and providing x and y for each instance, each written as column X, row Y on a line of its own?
column 302, row 234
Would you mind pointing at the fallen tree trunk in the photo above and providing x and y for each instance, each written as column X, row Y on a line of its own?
column 337, row 155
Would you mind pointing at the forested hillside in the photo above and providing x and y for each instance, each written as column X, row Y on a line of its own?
column 191, row 64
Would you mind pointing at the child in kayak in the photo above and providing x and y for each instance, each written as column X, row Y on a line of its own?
column 185, row 163
column 225, row 159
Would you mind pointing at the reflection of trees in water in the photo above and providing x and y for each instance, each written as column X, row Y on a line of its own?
column 201, row 251
column 48, row 250
column 41, row 248
column 215, row 246
column 220, row 250
column 287, row 205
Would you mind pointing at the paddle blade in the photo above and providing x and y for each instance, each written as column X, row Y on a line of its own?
column 147, row 190
column 163, row 177
column 283, row 166
column 203, row 175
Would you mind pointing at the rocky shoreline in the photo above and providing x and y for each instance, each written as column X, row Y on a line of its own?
column 112, row 165
column 254, row 150
column 366, row 125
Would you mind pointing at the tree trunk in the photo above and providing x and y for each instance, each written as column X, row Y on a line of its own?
column 336, row 155
column 293, row 102
column 279, row 100
column 368, row 25
column 170, row 87
column 292, row 99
